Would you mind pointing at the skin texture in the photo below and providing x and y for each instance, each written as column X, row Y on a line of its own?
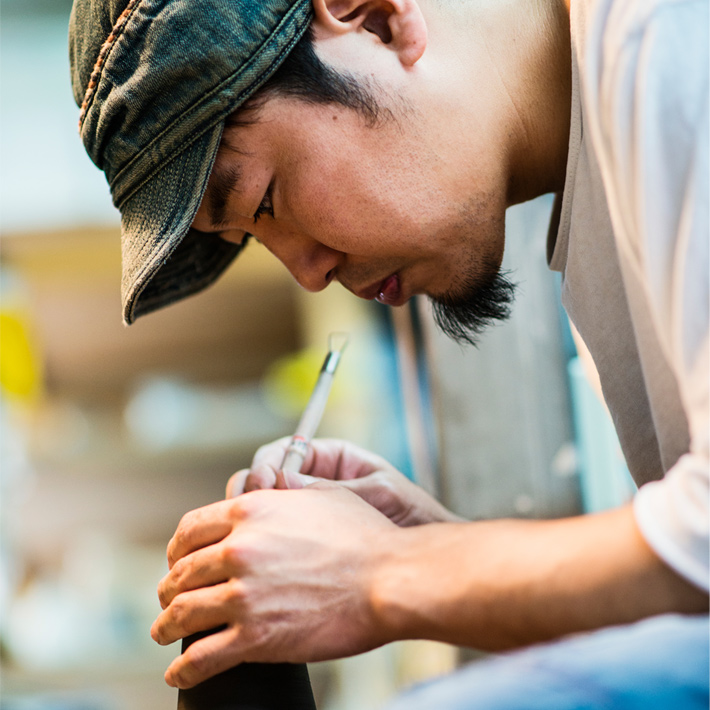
column 382, row 220
column 351, row 555
column 411, row 196
column 310, row 567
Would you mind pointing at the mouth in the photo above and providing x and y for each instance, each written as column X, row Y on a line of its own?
column 388, row 292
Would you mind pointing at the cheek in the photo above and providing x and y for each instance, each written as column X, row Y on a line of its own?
column 336, row 204
column 346, row 204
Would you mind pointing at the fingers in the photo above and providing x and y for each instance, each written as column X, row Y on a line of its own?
column 236, row 483
column 382, row 490
column 201, row 568
column 198, row 610
column 204, row 658
column 251, row 480
column 200, row 528
column 327, row 458
column 293, row 480
column 344, row 460
column 271, row 455
column 401, row 500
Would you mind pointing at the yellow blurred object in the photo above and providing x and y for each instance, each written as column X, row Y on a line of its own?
column 288, row 383
column 20, row 369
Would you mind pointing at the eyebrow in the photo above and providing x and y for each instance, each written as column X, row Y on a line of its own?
column 223, row 183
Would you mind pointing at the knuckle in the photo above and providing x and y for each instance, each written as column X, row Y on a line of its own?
column 169, row 586
column 184, row 524
column 236, row 507
column 163, row 596
column 177, row 573
column 231, row 555
column 170, row 552
column 186, row 539
column 234, row 592
column 179, row 611
column 196, row 662
column 181, row 536
column 261, row 453
column 248, row 506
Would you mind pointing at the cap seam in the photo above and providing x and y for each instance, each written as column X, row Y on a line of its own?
column 221, row 115
column 104, row 53
column 183, row 147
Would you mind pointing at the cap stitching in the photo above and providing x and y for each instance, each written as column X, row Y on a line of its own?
column 151, row 266
column 101, row 60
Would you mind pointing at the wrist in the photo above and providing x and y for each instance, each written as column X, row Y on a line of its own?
column 395, row 586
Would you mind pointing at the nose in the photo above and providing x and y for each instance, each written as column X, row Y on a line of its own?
column 311, row 263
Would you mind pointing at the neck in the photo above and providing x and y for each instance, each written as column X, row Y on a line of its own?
column 514, row 90
column 538, row 156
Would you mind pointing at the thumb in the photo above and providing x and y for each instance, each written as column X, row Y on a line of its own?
column 379, row 490
column 366, row 487
column 251, row 480
column 294, row 480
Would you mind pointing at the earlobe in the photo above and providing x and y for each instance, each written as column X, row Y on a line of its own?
column 399, row 24
column 409, row 33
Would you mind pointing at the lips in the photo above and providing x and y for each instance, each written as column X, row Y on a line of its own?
column 387, row 291
column 390, row 291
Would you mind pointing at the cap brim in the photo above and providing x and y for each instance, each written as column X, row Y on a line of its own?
column 164, row 260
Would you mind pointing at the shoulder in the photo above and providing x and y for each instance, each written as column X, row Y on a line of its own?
column 644, row 75
column 645, row 91
column 634, row 48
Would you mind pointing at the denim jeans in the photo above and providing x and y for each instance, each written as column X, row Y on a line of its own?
column 661, row 663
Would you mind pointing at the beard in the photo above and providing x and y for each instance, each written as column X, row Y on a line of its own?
column 480, row 304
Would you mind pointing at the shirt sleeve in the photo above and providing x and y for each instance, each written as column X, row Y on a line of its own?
column 648, row 79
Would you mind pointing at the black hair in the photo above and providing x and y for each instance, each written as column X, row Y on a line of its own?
column 483, row 303
column 304, row 76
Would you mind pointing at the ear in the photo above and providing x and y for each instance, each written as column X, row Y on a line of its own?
column 398, row 23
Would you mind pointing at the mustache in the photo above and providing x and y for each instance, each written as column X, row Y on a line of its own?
column 482, row 304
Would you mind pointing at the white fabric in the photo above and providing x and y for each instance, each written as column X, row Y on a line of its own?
column 632, row 245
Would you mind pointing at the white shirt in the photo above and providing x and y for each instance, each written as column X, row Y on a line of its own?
column 632, row 245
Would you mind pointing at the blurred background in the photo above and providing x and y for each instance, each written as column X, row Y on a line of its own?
column 109, row 435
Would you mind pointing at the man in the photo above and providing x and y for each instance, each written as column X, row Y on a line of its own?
column 379, row 144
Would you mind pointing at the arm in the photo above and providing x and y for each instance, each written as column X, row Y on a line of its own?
column 317, row 573
column 500, row 584
column 648, row 122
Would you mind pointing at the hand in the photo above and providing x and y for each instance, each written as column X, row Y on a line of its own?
column 288, row 574
column 370, row 476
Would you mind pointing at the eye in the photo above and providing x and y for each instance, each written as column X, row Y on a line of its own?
column 265, row 207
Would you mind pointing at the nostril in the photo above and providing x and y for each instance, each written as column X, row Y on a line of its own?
column 329, row 276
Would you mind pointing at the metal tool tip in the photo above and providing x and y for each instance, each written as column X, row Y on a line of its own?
column 337, row 342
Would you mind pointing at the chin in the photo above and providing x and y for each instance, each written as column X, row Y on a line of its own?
column 467, row 311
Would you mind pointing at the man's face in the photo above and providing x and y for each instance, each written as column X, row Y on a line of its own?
column 389, row 210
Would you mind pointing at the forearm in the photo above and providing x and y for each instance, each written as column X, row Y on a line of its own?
column 500, row 584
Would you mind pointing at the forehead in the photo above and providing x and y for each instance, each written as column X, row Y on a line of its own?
column 280, row 130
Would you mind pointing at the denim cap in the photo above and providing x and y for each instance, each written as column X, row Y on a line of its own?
column 155, row 80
